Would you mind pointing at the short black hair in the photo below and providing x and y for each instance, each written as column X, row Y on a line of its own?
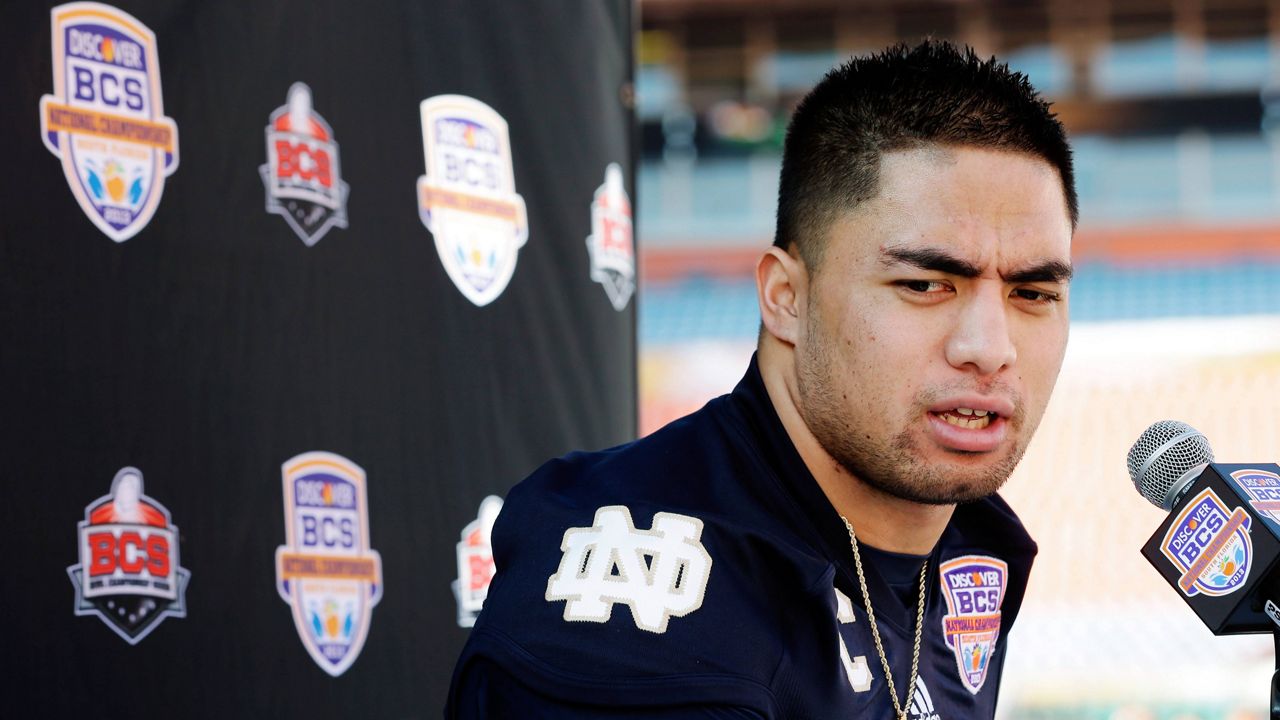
column 900, row 99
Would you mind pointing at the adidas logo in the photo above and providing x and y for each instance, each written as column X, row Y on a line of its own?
column 922, row 704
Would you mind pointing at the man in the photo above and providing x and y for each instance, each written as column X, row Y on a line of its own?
column 825, row 541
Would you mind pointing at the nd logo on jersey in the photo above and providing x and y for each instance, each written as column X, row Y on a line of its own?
column 1210, row 546
column 610, row 245
column 468, row 197
column 302, row 174
column 326, row 570
column 973, row 586
column 1263, row 489
column 128, row 574
column 105, row 119
column 660, row 573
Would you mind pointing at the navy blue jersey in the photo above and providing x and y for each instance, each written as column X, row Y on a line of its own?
column 700, row 572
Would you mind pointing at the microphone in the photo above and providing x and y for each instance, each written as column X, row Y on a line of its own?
column 1166, row 459
column 1219, row 548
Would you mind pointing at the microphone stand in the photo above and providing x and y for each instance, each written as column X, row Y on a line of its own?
column 1275, row 677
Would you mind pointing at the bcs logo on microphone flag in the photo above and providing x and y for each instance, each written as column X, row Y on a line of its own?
column 468, row 197
column 302, row 174
column 611, row 245
column 1210, row 545
column 475, row 562
column 105, row 119
column 973, row 586
column 129, row 573
column 326, row 570
column 1263, row 490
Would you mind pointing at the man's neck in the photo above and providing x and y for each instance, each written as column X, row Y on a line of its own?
column 879, row 519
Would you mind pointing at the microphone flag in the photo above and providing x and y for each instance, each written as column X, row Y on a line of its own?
column 1219, row 548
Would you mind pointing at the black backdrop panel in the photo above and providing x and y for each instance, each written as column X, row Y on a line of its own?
column 215, row 344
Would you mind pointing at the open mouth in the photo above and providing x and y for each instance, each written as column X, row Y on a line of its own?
column 967, row 418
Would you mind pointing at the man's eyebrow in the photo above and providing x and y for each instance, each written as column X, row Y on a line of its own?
column 1053, row 271
column 931, row 259
column 942, row 261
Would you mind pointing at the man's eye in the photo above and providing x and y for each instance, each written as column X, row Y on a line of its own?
column 923, row 286
column 1039, row 297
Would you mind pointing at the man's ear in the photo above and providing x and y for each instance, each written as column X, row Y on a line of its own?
column 782, row 290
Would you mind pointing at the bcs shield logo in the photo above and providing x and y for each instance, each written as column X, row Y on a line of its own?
column 475, row 562
column 326, row 570
column 610, row 245
column 1263, row 489
column 1210, row 545
column 128, row 574
column 973, row 586
column 468, row 197
column 105, row 119
column 302, row 174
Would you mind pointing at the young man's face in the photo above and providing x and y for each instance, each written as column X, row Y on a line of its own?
column 936, row 322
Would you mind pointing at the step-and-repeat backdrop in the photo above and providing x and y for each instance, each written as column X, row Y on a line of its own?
column 291, row 293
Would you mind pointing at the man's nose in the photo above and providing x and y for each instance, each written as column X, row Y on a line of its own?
column 980, row 337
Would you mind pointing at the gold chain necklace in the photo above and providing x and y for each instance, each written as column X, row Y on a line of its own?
column 875, row 632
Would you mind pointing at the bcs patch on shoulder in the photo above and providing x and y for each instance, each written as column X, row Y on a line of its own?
column 105, row 119
column 660, row 573
column 1210, row 545
column 973, row 586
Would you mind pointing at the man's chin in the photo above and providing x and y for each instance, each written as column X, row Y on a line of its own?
column 952, row 495
column 958, row 494
column 947, row 483
column 913, row 468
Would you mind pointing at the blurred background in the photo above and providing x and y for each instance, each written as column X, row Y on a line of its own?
column 1174, row 109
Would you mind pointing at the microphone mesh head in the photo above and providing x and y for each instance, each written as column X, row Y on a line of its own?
column 1163, row 455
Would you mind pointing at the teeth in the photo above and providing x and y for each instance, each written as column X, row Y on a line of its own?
column 968, row 418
